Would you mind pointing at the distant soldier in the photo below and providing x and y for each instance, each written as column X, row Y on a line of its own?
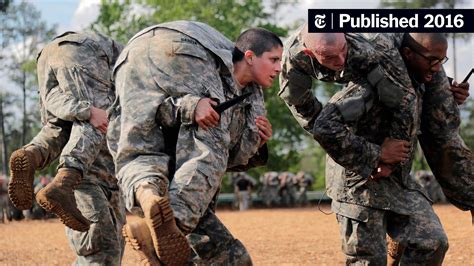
column 287, row 189
column 3, row 199
column 303, row 182
column 243, row 190
column 427, row 181
column 269, row 191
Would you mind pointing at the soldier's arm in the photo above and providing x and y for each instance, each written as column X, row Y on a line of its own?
column 67, row 107
column 187, row 110
column 295, row 90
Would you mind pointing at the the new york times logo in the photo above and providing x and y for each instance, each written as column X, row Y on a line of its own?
column 320, row 21
column 391, row 20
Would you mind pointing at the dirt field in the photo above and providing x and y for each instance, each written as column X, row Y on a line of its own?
column 273, row 237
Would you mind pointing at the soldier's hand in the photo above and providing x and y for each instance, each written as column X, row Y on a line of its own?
column 394, row 151
column 460, row 92
column 264, row 129
column 99, row 119
column 204, row 115
column 383, row 170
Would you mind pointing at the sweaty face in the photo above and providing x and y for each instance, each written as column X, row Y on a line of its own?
column 332, row 57
column 267, row 66
column 423, row 64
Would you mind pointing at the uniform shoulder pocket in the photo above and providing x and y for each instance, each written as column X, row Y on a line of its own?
column 189, row 47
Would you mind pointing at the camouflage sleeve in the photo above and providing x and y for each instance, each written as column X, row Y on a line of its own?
column 295, row 90
column 337, row 137
column 178, row 110
column 451, row 161
column 259, row 159
column 65, row 106
column 82, row 76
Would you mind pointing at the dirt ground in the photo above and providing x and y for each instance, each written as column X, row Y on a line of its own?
column 272, row 236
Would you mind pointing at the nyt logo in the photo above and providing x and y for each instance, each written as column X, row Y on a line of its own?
column 319, row 21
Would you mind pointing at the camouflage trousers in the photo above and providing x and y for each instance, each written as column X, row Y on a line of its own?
column 213, row 244
column 77, row 143
column 103, row 243
column 363, row 233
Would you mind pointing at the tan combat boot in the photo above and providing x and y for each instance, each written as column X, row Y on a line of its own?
column 170, row 244
column 138, row 236
column 23, row 164
column 58, row 197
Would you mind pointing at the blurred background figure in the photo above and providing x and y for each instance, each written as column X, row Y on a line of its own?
column 3, row 199
column 303, row 182
column 427, row 180
column 287, row 189
column 269, row 191
column 243, row 184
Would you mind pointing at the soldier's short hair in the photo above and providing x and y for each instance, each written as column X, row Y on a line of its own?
column 257, row 40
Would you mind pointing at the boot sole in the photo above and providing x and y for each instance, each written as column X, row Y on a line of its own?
column 140, row 240
column 67, row 219
column 20, row 187
column 170, row 244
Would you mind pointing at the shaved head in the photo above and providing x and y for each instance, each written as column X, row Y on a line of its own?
column 320, row 41
column 330, row 49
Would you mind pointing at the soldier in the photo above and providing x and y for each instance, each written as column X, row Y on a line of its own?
column 287, row 189
column 74, row 75
column 303, row 181
column 3, row 199
column 372, row 199
column 375, row 57
column 270, row 189
column 149, row 91
column 243, row 190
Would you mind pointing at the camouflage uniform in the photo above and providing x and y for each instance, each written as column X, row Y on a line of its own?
column 74, row 73
column 440, row 137
column 368, row 209
column 3, row 199
column 270, row 188
column 303, row 181
column 287, row 189
column 150, row 96
column 71, row 79
column 371, row 56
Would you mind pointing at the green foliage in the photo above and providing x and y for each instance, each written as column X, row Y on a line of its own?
column 23, row 33
column 122, row 20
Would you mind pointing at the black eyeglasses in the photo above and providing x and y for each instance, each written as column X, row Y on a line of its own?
column 432, row 61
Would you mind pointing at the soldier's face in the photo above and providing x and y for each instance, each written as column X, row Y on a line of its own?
column 333, row 57
column 424, row 64
column 266, row 67
column 330, row 56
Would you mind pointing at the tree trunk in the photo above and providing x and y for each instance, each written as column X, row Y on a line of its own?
column 24, row 129
column 4, row 140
